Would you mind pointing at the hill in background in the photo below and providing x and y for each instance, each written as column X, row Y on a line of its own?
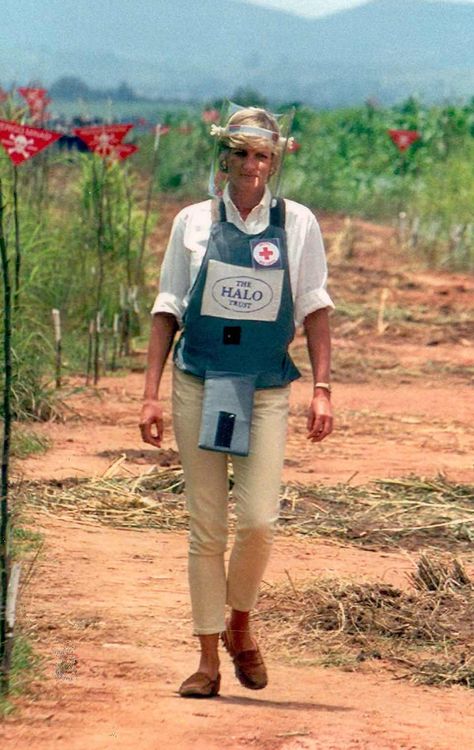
column 387, row 49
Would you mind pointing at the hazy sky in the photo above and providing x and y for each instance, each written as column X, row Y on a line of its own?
column 319, row 7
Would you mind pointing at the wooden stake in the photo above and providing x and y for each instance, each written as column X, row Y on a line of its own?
column 57, row 340
column 90, row 349
column 12, row 593
column 402, row 228
column 381, row 326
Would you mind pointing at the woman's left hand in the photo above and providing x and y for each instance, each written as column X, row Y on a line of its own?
column 320, row 419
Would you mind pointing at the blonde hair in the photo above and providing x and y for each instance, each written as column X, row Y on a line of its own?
column 253, row 117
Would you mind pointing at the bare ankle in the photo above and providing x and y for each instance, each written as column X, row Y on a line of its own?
column 209, row 658
column 239, row 621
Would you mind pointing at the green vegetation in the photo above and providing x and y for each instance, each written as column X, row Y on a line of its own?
column 347, row 163
column 26, row 442
column 26, row 665
column 64, row 267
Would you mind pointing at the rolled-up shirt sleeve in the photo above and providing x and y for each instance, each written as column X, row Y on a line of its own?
column 311, row 293
column 175, row 274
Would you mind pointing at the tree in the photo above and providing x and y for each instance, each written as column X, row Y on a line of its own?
column 124, row 93
column 248, row 97
column 70, row 88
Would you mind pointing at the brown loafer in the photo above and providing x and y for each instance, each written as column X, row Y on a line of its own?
column 200, row 685
column 249, row 666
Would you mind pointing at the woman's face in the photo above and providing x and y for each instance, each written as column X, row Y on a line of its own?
column 249, row 168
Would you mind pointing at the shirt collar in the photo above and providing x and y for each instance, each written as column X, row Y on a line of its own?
column 264, row 204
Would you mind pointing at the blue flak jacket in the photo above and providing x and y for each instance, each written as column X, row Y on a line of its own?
column 240, row 319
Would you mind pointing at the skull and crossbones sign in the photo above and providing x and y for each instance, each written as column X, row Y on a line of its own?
column 20, row 144
column 104, row 143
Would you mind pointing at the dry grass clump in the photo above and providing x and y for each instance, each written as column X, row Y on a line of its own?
column 153, row 500
column 411, row 512
column 440, row 573
column 424, row 632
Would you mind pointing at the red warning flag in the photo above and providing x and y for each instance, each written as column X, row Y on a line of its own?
column 37, row 101
column 404, row 138
column 102, row 139
column 122, row 151
column 32, row 96
column 38, row 111
column 21, row 142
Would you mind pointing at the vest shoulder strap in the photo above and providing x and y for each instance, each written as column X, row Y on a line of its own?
column 278, row 213
column 218, row 210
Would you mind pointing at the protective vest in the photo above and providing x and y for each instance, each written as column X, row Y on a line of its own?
column 238, row 325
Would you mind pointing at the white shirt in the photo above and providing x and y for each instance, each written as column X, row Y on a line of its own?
column 188, row 242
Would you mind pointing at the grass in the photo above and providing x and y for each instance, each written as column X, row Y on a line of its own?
column 25, row 541
column 26, row 666
column 26, row 442
column 26, row 663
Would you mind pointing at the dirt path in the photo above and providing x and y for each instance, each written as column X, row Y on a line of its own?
column 116, row 636
column 109, row 608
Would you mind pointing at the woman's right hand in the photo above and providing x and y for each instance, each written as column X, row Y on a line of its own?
column 151, row 422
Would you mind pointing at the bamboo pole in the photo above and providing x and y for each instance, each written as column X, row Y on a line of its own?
column 125, row 347
column 16, row 222
column 99, row 182
column 115, row 341
column 105, row 348
column 154, row 163
column 125, row 319
column 7, row 422
column 97, row 337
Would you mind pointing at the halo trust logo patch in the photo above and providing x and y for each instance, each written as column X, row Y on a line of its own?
column 242, row 293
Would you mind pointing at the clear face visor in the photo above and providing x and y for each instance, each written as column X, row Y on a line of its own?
column 218, row 178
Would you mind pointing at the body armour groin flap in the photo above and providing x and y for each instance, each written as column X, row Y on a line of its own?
column 227, row 412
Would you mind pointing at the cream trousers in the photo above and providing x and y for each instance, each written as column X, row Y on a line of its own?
column 256, row 490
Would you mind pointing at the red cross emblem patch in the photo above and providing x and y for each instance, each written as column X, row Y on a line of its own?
column 266, row 253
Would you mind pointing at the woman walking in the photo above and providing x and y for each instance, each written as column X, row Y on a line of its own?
column 237, row 276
